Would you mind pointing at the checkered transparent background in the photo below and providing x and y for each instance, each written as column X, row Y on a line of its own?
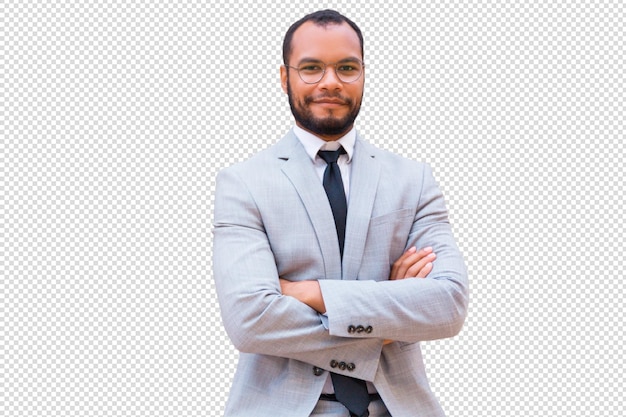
column 117, row 115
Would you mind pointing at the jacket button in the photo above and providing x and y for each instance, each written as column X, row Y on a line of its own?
column 333, row 363
column 317, row 371
column 350, row 367
column 343, row 366
column 369, row 329
column 351, row 329
column 360, row 329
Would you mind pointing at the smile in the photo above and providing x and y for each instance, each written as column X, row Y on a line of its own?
column 330, row 102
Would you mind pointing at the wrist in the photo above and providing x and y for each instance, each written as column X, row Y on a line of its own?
column 313, row 296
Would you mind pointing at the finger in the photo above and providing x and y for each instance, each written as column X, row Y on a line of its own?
column 416, row 270
column 405, row 267
column 403, row 263
column 399, row 267
column 406, row 263
column 425, row 270
column 425, row 251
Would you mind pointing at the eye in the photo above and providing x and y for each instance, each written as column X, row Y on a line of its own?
column 311, row 68
column 348, row 68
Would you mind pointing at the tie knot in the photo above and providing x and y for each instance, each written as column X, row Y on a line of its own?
column 331, row 156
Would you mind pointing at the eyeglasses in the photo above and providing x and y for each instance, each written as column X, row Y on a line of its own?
column 312, row 72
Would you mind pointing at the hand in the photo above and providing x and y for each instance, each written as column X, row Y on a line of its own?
column 413, row 264
column 307, row 292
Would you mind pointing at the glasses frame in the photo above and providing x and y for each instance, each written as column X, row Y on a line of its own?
column 334, row 64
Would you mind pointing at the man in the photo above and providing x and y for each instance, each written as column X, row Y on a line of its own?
column 331, row 267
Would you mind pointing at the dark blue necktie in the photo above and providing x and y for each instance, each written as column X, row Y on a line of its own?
column 335, row 192
column 351, row 392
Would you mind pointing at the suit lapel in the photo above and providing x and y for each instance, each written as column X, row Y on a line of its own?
column 299, row 169
column 364, row 176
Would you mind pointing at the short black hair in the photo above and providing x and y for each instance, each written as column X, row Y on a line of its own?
column 321, row 18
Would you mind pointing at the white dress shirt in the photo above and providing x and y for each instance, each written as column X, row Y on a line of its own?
column 312, row 144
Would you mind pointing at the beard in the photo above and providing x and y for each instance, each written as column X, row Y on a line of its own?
column 323, row 126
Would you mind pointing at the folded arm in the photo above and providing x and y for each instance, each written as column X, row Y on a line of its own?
column 407, row 310
column 412, row 264
column 264, row 315
column 257, row 316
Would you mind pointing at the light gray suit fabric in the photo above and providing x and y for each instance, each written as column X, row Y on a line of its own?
column 272, row 219
column 336, row 409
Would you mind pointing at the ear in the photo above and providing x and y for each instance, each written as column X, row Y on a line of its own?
column 283, row 78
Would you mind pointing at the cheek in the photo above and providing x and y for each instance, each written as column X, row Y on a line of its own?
column 355, row 91
column 300, row 94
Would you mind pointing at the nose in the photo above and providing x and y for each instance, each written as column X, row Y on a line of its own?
column 329, row 80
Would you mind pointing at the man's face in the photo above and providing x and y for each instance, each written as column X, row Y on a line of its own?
column 328, row 108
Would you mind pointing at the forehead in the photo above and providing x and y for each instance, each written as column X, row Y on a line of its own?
column 330, row 43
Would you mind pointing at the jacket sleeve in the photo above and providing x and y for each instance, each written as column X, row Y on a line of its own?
column 257, row 317
column 413, row 309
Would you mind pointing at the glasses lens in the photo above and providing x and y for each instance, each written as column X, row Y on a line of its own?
column 349, row 72
column 311, row 73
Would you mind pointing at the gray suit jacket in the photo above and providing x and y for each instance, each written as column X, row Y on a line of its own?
column 272, row 219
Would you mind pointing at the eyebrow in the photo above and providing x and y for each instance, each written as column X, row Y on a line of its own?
column 348, row 59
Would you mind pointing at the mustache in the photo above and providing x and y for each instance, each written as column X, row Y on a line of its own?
column 311, row 99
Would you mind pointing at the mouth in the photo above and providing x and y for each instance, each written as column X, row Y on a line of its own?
column 330, row 102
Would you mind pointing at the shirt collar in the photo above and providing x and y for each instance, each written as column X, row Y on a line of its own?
column 312, row 144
